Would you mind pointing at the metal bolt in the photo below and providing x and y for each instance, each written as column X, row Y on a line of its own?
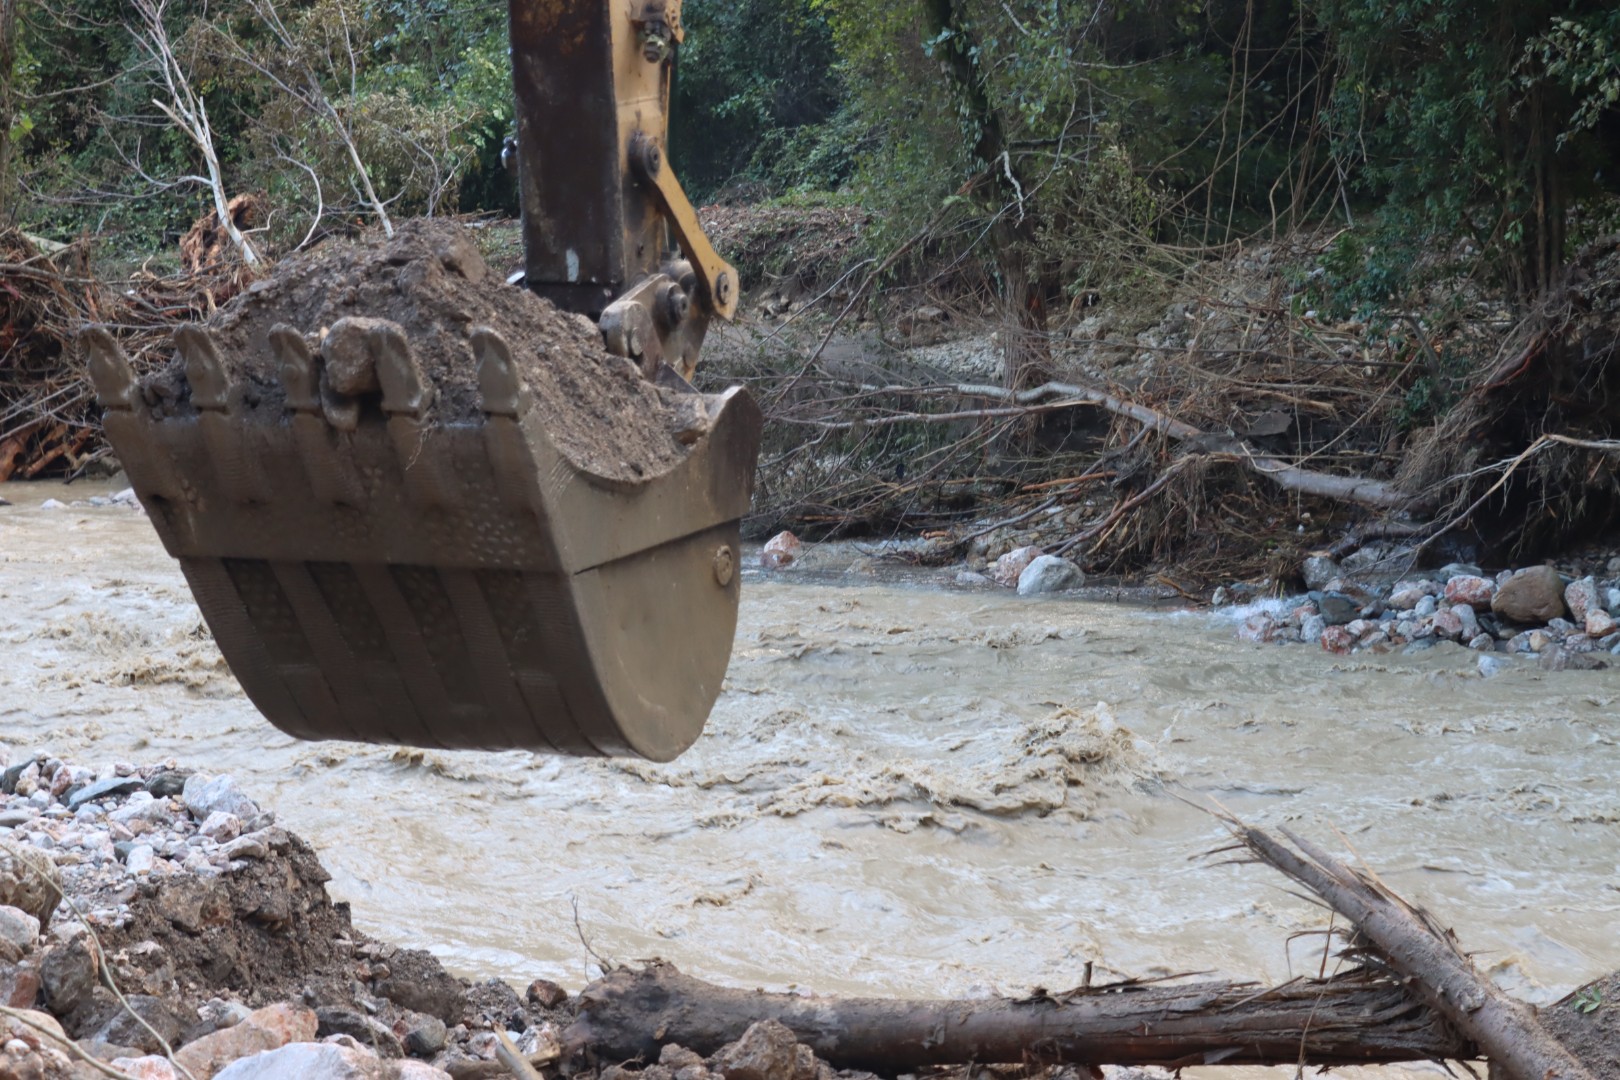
column 722, row 288
column 725, row 565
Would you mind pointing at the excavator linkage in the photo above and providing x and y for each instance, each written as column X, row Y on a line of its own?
column 374, row 574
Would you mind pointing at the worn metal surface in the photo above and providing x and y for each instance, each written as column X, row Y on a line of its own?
column 458, row 586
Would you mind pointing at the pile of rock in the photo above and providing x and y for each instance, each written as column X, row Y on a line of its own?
column 149, row 910
column 1029, row 571
column 1534, row 611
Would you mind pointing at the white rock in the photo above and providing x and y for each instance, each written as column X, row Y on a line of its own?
column 245, row 847
column 221, row 826
column 307, row 1061
column 203, row 795
column 19, row 931
column 143, row 807
column 141, row 859
column 1007, row 569
column 1491, row 664
column 1049, row 574
column 53, row 504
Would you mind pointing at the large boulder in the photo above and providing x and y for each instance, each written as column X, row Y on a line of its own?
column 1049, row 574
column 1582, row 598
column 265, row 1029
column 1533, row 595
column 766, row 1051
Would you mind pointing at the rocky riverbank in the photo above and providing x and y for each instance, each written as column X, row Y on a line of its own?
column 1561, row 620
column 157, row 920
column 157, row 924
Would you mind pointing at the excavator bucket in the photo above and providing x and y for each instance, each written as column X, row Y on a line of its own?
column 374, row 572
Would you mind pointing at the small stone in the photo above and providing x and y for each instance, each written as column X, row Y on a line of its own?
column 1470, row 621
column 767, row 1051
column 1338, row 639
column 969, row 579
column 1220, row 597
column 675, row 1056
column 19, row 985
column 29, row 881
column 546, row 994
column 1482, row 642
column 1491, row 665
column 425, row 1036
column 69, row 973
column 139, row 1022
column 1448, row 624
column 1049, row 574
column 167, row 782
column 1318, row 570
column 1259, row 628
column 1581, row 596
column 204, row 795
column 143, row 807
column 263, row 1029
column 101, row 789
column 1010, row 567
column 1470, row 589
column 1337, row 608
column 1311, row 628
column 1426, row 607
column 307, row 1061
column 221, row 826
column 363, row 1029
column 19, row 933
column 1406, row 594
column 781, row 550
column 141, row 859
column 150, row 1067
column 53, row 504
column 1600, row 624
column 1533, row 595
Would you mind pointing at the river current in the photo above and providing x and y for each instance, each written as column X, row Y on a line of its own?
column 904, row 790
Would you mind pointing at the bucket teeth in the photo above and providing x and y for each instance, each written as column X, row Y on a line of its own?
column 499, row 384
column 210, row 382
column 110, row 372
column 298, row 372
column 405, row 389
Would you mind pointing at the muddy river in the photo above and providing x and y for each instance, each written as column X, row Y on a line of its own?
column 903, row 790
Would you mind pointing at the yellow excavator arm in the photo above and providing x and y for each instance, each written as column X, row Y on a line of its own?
column 378, row 568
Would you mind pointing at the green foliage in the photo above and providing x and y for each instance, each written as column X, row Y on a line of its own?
column 1582, row 55
column 1589, row 999
column 756, row 97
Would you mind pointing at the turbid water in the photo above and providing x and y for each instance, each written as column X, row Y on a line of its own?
column 903, row 790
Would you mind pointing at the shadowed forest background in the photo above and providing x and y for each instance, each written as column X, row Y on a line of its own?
column 1208, row 285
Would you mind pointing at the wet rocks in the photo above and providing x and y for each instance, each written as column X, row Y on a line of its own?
column 29, row 881
column 1459, row 604
column 1006, row 570
column 767, row 1051
column 1049, row 574
column 205, row 795
column 780, row 551
column 1532, row 595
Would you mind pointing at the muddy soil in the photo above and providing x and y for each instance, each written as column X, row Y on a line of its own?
column 431, row 280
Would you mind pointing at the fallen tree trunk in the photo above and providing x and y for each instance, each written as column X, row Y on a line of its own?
column 1357, row 489
column 1352, row 1019
column 1506, row 1031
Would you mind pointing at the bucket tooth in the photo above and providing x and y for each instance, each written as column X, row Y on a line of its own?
column 406, row 391
column 499, row 386
column 110, row 373
column 211, row 391
column 331, row 475
column 298, row 371
column 210, row 382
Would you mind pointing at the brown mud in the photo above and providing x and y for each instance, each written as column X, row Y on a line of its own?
column 431, row 280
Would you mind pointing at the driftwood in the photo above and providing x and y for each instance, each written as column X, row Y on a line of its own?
column 1354, row 1019
column 1506, row 1031
column 1415, row 996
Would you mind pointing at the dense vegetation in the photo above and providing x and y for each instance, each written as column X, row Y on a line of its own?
column 1064, row 133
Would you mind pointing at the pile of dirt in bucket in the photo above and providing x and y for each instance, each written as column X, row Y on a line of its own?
column 430, row 279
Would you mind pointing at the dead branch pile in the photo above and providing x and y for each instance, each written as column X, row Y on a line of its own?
column 49, row 421
column 1230, row 432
